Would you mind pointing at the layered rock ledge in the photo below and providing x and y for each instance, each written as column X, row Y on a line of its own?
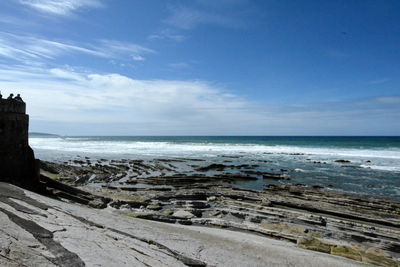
column 42, row 231
column 140, row 213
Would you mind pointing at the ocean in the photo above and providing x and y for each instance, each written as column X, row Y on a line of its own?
column 361, row 165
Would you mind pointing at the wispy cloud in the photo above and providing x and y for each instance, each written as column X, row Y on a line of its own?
column 167, row 34
column 179, row 65
column 61, row 7
column 389, row 100
column 187, row 18
column 224, row 13
column 113, row 48
column 222, row 3
column 379, row 81
column 29, row 48
column 336, row 54
column 12, row 20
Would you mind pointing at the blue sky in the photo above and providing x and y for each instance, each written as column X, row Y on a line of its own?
column 203, row 67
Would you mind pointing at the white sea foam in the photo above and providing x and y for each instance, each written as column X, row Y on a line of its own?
column 382, row 168
column 380, row 165
column 299, row 170
column 86, row 145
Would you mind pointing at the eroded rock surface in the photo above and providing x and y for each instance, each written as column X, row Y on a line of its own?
column 351, row 226
column 50, row 232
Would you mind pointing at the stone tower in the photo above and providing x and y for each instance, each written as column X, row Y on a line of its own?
column 17, row 160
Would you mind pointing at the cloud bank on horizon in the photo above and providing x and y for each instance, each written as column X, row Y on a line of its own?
column 232, row 67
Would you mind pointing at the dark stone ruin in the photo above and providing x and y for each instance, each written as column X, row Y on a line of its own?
column 17, row 160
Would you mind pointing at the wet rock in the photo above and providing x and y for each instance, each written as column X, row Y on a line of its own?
column 154, row 207
column 197, row 204
column 272, row 176
column 82, row 179
column 352, row 166
column 317, row 187
column 212, row 198
column 168, row 212
column 216, row 213
column 255, row 220
column 78, row 162
column 49, row 167
column 342, row 161
column 312, row 219
column 216, row 167
column 183, row 214
column 184, row 222
column 97, row 203
column 133, row 204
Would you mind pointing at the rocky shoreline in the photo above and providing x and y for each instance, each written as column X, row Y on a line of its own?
column 359, row 228
column 39, row 230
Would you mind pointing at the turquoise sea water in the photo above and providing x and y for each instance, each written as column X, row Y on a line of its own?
column 373, row 167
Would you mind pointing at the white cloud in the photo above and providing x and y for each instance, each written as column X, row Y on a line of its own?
column 61, row 7
column 188, row 18
column 30, row 48
column 167, row 34
column 114, row 49
column 138, row 58
column 59, row 95
column 116, row 104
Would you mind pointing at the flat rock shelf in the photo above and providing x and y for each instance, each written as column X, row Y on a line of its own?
column 42, row 231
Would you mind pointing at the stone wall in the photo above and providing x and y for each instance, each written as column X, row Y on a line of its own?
column 12, row 106
column 13, row 130
column 17, row 160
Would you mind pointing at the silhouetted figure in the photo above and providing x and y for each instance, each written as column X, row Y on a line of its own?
column 1, row 96
column 18, row 98
column 11, row 97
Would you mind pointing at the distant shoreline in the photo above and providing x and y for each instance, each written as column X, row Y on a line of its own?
column 36, row 134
